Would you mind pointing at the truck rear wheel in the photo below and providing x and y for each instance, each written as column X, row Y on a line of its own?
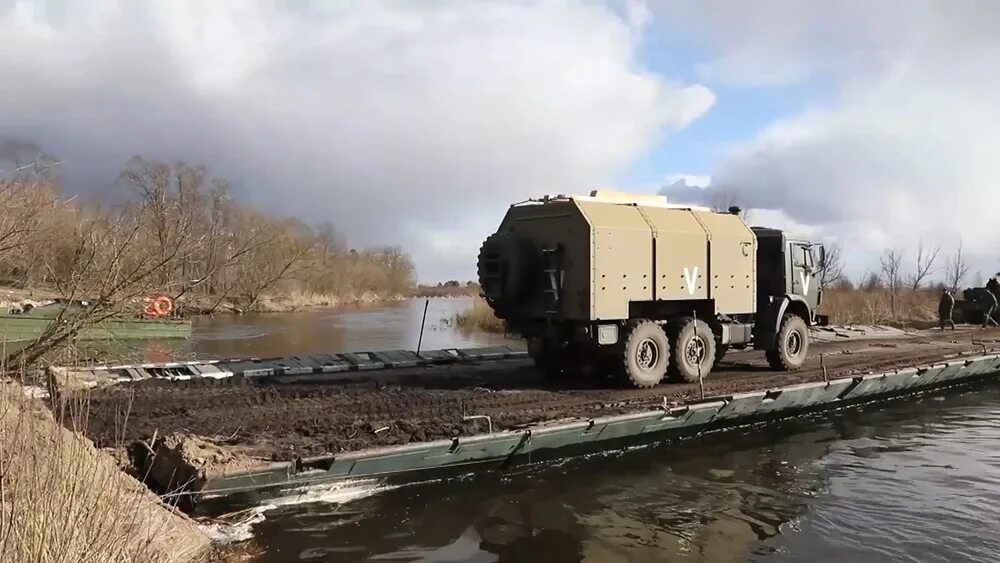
column 792, row 344
column 647, row 353
column 549, row 357
column 693, row 346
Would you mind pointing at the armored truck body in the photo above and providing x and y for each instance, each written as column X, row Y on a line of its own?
column 641, row 288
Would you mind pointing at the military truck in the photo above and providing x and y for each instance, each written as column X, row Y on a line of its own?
column 640, row 288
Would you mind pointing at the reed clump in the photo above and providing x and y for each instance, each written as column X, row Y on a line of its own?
column 908, row 308
column 478, row 317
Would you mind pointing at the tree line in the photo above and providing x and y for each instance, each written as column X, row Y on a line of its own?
column 175, row 230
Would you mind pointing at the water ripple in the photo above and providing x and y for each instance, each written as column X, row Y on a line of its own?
column 911, row 481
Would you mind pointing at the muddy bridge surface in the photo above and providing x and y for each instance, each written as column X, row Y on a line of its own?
column 259, row 419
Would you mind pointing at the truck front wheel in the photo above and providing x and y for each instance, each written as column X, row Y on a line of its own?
column 694, row 351
column 791, row 346
column 646, row 354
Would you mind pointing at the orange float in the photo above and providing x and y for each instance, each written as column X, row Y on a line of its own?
column 160, row 306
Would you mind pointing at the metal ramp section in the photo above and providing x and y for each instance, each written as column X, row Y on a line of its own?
column 298, row 367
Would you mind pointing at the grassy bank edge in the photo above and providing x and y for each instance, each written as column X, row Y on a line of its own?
column 292, row 302
column 65, row 500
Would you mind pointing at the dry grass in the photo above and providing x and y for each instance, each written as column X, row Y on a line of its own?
column 62, row 500
column 845, row 307
column 478, row 318
column 869, row 307
column 300, row 301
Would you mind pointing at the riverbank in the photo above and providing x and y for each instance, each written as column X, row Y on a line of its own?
column 294, row 302
column 204, row 305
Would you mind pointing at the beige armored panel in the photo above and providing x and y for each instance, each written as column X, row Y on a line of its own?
column 681, row 253
column 733, row 262
column 557, row 222
column 621, row 257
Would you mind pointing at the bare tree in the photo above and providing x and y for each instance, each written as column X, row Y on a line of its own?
column 832, row 269
column 891, row 261
column 178, row 232
column 109, row 265
column 957, row 269
column 924, row 265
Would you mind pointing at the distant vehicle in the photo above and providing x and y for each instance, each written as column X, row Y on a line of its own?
column 971, row 306
column 641, row 288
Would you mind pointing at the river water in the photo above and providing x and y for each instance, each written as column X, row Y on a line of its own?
column 913, row 480
column 349, row 329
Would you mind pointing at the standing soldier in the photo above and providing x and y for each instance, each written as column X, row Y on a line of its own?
column 994, row 286
column 945, row 308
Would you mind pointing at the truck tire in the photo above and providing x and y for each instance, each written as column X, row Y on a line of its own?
column 791, row 344
column 549, row 358
column 720, row 352
column 646, row 354
column 693, row 343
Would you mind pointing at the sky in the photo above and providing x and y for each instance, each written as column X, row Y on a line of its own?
column 872, row 125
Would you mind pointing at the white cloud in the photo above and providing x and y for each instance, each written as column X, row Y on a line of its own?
column 389, row 119
column 905, row 147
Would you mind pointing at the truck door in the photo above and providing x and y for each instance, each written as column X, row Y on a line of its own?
column 803, row 273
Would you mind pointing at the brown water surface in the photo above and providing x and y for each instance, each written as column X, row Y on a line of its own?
column 393, row 326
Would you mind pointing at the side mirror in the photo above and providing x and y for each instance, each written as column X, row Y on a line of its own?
column 822, row 257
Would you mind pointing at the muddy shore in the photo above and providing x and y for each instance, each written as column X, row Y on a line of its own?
column 238, row 423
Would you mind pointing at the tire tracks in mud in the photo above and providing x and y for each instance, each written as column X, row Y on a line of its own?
column 280, row 421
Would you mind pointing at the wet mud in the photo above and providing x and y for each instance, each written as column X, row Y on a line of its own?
column 261, row 420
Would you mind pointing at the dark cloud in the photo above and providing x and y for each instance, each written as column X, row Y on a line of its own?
column 394, row 122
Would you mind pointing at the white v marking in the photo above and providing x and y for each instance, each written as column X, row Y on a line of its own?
column 692, row 279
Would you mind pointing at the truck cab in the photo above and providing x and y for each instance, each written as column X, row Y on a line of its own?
column 789, row 267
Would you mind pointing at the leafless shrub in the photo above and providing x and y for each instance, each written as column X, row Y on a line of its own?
column 891, row 261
